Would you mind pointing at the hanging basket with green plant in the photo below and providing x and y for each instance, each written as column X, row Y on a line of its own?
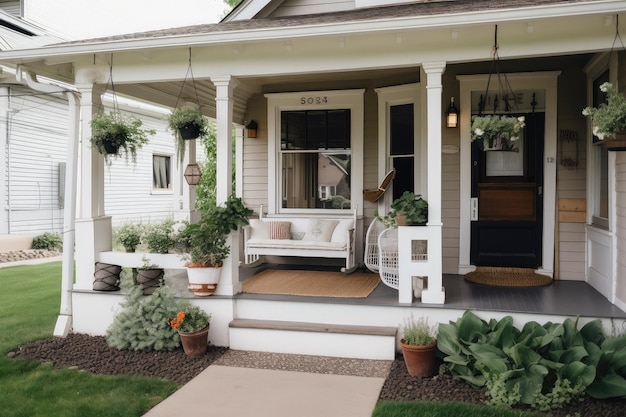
column 498, row 133
column 608, row 120
column 187, row 122
column 115, row 134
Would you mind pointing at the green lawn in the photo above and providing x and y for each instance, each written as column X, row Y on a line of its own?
column 29, row 305
column 452, row 409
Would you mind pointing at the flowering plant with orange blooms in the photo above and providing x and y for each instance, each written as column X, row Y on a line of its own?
column 190, row 319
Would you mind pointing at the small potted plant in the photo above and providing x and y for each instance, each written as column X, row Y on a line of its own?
column 129, row 235
column 149, row 276
column 158, row 237
column 608, row 120
column 207, row 246
column 419, row 345
column 409, row 209
column 187, row 122
column 498, row 133
column 192, row 324
column 114, row 134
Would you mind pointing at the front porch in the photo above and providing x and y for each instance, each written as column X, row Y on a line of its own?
column 330, row 326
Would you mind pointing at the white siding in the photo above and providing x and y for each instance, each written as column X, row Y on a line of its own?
column 620, row 224
column 302, row 7
column 11, row 7
column 38, row 145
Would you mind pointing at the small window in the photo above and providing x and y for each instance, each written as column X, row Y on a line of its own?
column 161, row 172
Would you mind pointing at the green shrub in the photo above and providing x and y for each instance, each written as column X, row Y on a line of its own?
column 143, row 321
column 48, row 241
column 544, row 366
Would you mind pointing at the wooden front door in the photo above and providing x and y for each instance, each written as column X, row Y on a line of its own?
column 507, row 201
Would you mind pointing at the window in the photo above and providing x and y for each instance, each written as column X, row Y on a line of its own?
column 161, row 172
column 315, row 159
column 402, row 147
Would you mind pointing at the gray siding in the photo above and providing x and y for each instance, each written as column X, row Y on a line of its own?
column 302, row 7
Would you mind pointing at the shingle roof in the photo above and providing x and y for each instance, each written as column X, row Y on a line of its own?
column 364, row 14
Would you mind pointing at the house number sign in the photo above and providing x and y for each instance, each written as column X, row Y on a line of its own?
column 314, row 100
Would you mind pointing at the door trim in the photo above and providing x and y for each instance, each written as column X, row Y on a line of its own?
column 546, row 81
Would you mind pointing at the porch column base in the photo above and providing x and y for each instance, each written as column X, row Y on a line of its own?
column 434, row 296
column 93, row 235
column 229, row 280
column 63, row 325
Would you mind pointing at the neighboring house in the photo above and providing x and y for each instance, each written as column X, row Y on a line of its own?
column 370, row 81
column 34, row 126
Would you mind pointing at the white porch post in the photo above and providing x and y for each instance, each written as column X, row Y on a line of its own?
column 93, row 228
column 224, row 88
column 435, row 293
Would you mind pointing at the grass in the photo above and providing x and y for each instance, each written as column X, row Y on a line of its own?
column 29, row 305
column 450, row 409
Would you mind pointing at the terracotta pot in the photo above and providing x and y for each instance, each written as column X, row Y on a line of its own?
column 615, row 143
column 419, row 360
column 150, row 279
column 203, row 279
column 401, row 218
column 195, row 344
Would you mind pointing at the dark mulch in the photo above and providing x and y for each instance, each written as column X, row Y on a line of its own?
column 91, row 353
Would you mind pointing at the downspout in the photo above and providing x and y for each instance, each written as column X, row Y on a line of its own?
column 64, row 321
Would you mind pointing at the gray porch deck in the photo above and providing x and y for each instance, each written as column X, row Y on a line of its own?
column 561, row 298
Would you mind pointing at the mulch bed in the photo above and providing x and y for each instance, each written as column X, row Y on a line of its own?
column 91, row 353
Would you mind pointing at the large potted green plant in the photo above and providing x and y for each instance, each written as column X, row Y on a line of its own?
column 187, row 122
column 128, row 235
column 207, row 246
column 408, row 210
column 419, row 345
column 114, row 134
column 608, row 120
column 497, row 133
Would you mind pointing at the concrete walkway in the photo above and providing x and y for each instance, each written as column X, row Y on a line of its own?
column 227, row 391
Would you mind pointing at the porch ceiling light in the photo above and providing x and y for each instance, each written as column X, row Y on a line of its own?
column 252, row 128
column 452, row 115
column 192, row 174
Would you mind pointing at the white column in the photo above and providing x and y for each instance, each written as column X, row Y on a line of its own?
column 224, row 88
column 93, row 228
column 435, row 293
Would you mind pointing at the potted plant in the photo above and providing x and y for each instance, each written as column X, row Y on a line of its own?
column 498, row 133
column 409, row 209
column 207, row 246
column 192, row 324
column 608, row 120
column 419, row 344
column 114, row 134
column 149, row 276
column 158, row 237
column 186, row 122
column 129, row 235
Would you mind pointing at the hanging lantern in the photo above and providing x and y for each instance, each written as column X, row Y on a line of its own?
column 192, row 174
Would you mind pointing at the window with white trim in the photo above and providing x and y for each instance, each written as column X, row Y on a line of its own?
column 317, row 151
column 161, row 172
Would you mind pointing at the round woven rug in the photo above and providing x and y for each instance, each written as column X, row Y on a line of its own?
column 507, row 277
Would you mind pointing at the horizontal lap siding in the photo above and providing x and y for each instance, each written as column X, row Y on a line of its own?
column 128, row 187
column 38, row 145
column 255, row 164
column 302, row 7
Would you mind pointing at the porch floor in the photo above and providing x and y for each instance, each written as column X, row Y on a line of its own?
column 562, row 297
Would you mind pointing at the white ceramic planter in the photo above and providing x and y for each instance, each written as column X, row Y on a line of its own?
column 203, row 280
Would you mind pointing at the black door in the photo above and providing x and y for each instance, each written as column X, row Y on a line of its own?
column 508, row 190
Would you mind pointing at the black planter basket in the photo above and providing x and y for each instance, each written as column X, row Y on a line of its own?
column 189, row 132
column 107, row 147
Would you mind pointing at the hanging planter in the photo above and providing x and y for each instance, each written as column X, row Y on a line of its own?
column 187, row 122
column 498, row 133
column 114, row 134
column 609, row 119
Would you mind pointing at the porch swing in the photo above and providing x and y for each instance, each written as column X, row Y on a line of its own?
column 371, row 258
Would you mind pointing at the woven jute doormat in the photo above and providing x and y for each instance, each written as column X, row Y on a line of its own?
column 507, row 277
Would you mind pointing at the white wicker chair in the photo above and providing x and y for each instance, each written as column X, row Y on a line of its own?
column 388, row 257
column 371, row 244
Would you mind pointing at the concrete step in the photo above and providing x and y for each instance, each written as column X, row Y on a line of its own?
column 342, row 341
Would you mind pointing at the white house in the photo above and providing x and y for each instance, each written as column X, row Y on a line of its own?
column 383, row 73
